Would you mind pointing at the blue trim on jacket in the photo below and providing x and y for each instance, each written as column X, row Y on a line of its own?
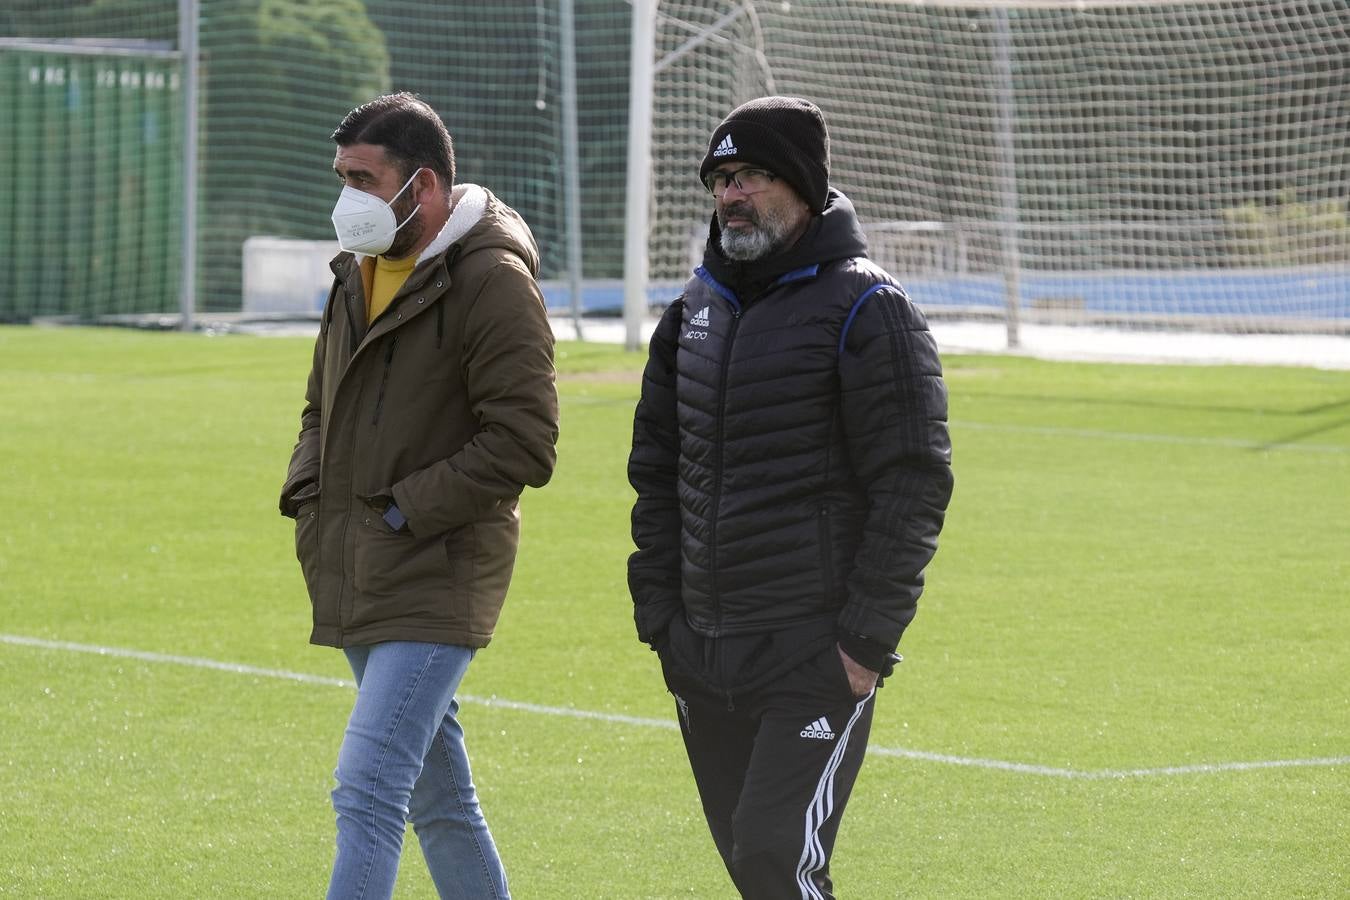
column 718, row 287
column 798, row 274
column 857, row 307
column 727, row 294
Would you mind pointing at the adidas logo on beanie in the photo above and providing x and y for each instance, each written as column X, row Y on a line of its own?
column 785, row 135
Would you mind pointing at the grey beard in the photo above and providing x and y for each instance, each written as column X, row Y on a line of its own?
column 749, row 245
column 765, row 237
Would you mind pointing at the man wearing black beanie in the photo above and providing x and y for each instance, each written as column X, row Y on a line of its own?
column 793, row 469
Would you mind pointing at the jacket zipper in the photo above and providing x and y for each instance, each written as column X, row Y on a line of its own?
column 342, row 556
column 826, row 526
column 826, row 555
column 714, row 662
column 353, row 339
column 354, row 343
column 384, row 380
column 344, row 592
column 717, row 485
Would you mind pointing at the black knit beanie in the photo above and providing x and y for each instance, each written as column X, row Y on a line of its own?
column 785, row 135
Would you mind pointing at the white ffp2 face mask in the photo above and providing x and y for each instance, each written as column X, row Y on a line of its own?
column 366, row 224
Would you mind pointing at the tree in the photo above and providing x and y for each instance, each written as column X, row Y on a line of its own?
column 278, row 76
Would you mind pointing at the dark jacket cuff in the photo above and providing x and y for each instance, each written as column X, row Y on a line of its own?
column 870, row 653
column 653, row 623
column 292, row 498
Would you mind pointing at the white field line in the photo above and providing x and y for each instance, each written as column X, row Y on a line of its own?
column 921, row 755
column 1184, row 440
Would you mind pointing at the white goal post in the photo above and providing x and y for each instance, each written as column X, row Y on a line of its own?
column 1132, row 164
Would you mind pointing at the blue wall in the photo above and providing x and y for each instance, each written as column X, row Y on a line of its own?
column 1318, row 295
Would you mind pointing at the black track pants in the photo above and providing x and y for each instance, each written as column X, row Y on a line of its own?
column 775, row 771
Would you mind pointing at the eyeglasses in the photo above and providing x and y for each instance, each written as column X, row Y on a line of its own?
column 747, row 181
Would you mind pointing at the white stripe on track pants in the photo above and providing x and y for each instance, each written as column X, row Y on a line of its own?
column 774, row 773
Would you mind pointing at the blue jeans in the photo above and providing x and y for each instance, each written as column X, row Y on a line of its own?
column 403, row 759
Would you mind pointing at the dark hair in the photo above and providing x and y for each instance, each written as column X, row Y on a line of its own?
column 409, row 131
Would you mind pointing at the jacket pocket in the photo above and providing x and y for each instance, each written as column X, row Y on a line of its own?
column 681, row 645
column 307, row 543
column 384, row 380
column 389, row 563
column 826, row 537
column 401, row 576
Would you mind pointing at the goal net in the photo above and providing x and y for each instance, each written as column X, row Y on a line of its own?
column 92, row 127
column 1135, row 165
column 1145, row 164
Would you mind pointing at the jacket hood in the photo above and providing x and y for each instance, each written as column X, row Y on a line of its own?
column 480, row 221
column 834, row 233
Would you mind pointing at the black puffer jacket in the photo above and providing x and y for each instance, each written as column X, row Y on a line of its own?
column 790, row 448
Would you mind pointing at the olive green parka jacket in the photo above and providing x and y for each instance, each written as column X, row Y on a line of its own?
column 447, row 406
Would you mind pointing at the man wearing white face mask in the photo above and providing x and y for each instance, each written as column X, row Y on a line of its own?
column 430, row 406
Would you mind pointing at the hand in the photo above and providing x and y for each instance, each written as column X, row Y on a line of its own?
column 860, row 678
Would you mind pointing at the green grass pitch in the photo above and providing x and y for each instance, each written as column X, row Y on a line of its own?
column 1143, row 581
